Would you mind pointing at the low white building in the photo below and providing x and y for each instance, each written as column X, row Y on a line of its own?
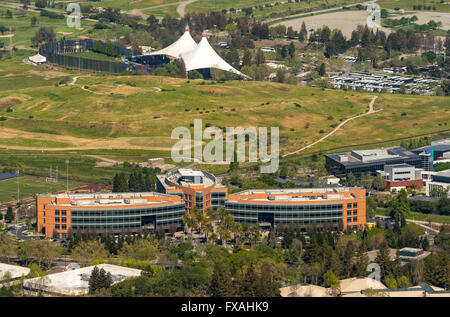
column 37, row 59
column 436, row 180
column 76, row 282
column 14, row 271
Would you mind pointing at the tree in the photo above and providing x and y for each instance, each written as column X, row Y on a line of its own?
column 87, row 251
column 330, row 280
column 120, row 184
column 384, row 260
column 40, row 3
column 379, row 182
column 44, row 35
column 99, row 280
column 265, row 284
column 248, row 282
column 291, row 50
column 141, row 249
column 303, row 33
column 259, row 59
column 321, row 70
column 9, row 214
column 7, row 246
column 351, row 180
column 247, row 59
column 221, row 282
column 25, row 3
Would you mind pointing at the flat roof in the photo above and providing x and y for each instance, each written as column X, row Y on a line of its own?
column 393, row 154
column 400, row 165
column 76, row 282
column 15, row 270
column 286, row 191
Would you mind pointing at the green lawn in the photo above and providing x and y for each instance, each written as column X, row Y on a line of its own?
column 23, row 31
column 163, row 11
column 28, row 187
column 441, row 6
column 419, row 216
column 128, row 5
column 94, row 55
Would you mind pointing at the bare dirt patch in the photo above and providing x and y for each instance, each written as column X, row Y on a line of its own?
column 346, row 21
column 47, row 74
column 10, row 101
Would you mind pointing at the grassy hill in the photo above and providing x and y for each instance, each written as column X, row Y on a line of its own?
column 139, row 112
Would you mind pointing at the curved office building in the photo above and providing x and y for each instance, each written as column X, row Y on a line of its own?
column 59, row 215
column 337, row 206
column 197, row 188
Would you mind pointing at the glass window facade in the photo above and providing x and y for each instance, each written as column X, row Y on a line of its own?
column 129, row 219
column 218, row 198
column 302, row 214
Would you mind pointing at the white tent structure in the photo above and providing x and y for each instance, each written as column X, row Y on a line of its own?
column 37, row 59
column 204, row 56
column 183, row 45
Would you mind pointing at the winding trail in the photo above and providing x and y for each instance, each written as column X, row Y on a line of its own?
column 180, row 8
column 371, row 111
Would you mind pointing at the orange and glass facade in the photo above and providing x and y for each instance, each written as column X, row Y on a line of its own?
column 60, row 215
column 180, row 190
column 344, row 207
column 196, row 188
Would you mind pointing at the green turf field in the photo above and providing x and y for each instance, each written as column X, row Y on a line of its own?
column 28, row 188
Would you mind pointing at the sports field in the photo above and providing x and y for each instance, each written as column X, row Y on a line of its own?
column 28, row 188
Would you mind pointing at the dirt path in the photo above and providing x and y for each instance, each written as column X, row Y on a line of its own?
column 339, row 126
column 180, row 8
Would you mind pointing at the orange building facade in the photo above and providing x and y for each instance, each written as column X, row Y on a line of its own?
column 340, row 207
column 62, row 214
column 196, row 188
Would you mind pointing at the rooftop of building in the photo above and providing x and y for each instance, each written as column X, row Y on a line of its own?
column 287, row 191
column 15, row 270
column 415, row 291
column 76, row 282
column 401, row 165
column 109, row 199
column 373, row 155
column 443, row 145
column 296, row 194
column 188, row 177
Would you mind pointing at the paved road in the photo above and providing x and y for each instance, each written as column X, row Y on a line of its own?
column 339, row 126
column 423, row 224
column 301, row 15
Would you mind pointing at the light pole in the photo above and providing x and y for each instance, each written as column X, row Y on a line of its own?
column 67, row 176
column 18, row 202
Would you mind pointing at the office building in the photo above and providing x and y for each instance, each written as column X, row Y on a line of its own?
column 196, row 188
column 338, row 207
column 436, row 181
column 400, row 176
column 62, row 214
column 369, row 161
